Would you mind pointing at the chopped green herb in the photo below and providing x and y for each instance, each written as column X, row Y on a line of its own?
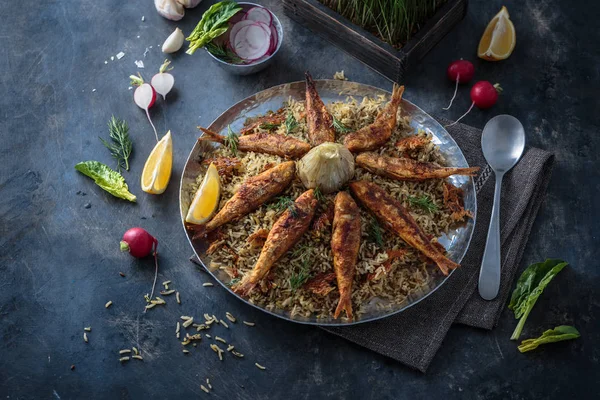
column 423, row 202
column 319, row 195
column 339, row 127
column 298, row 279
column 107, row 178
column 375, row 233
column 233, row 282
column 283, row 203
column 558, row 334
column 529, row 287
column 290, row 123
column 269, row 127
column 224, row 53
column 121, row 145
column 231, row 141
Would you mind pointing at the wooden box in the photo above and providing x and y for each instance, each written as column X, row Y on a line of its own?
column 372, row 51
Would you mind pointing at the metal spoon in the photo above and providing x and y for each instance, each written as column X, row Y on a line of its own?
column 502, row 142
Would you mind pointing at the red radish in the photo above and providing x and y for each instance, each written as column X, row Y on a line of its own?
column 259, row 14
column 459, row 71
column 139, row 243
column 483, row 95
column 252, row 42
column 144, row 96
column 163, row 81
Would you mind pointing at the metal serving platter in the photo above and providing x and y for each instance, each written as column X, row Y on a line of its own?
column 456, row 241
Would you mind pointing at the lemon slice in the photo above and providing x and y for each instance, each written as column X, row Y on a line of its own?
column 157, row 170
column 498, row 40
column 206, row 199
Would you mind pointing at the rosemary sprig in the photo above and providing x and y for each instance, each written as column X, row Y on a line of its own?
column 283, row 203
column 120, row 146
column 290, row 123
column 269, row 127
column 423, row 202
column 224, row 53
column 297, row 280
column 339, row 127
column 231, row 141
column 375, row 233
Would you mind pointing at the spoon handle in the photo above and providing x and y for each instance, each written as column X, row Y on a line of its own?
column 489, row 275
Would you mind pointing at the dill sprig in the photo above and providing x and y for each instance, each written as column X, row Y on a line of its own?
column 339, row 127
column 120, row 146
column 268, row 126
column 231, row 141
column 375, row 233
column 319, row 195
column 283, row 203
column 423, row 202
column 233, row 282
column 298, row 279
column 290, row 123
column 224, row 53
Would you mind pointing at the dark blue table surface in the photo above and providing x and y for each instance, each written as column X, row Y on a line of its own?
column 59, row 260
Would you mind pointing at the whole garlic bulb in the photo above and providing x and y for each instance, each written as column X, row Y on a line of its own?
column 328, row 166
column 189, row 3
column 173, row 42
column 169, row 9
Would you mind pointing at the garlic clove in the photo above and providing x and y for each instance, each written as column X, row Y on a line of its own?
column 189, row 3
column 169, row 9
column 173, row 42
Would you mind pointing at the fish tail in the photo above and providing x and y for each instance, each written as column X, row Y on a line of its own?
column 397, row 92
column 345, row 304
column 472, row 171
column 210, row 136
column 445, row 264
column 309, row 80
column 245, row 287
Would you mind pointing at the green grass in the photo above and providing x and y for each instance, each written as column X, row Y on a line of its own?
column 394, row 21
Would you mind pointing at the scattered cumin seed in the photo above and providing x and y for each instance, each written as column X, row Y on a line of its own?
column 124, row 351
column 177, row 297
column 249, row 323
column 223, row 323
column 185, row 351
column 230, row 317
column 87, row 329
column 123, row 359
column 207, row 284
column 167, row 292
column 85, row 338
column 137, row 357
column 108, row 304
column 259, row 366
column 188, row 322
column 135, row 350
column 219, row 339
column 122, row 274
column 204, row 388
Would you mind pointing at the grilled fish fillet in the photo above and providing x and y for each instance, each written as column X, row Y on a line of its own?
column 320, row 122
column 373, row 136
column 268, row 143
column 395, row 218
column 284, row 234
column 406, row 169
column 252, row 194
column 345, row 242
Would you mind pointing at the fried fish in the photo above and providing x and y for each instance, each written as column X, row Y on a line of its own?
column 320, row 122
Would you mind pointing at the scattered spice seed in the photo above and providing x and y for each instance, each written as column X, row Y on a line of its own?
column 167, row 292
column 249, row 323
column 223, row 323
column 108, row 304
column 87, row 329
column 188, row 322
column 205, row 389
column 85, row 338
column 207, row 284
column 137, row 357
column 259, row 366
column 123, row 359
column 135, row 350
column 177, row 297
column 122, row 274
column 124, row 351
column 230, row 317
column 73, row 367
column 185, row 351
column 219, row 339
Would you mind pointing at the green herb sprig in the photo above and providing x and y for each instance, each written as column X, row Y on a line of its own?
column 423, row 202
column 224, row 53
column 214, row 23
column 269, row 127
column 231, row 140
column 319, row 195
column 283, row 203
column 375, row 233
column 298, row 279
column 121, row 146
column 290, row 123
column 339, row 127
column 233, row 282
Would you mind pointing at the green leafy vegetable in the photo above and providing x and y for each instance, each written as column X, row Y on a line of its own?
column 214, row 23
column 375, row 233
column 269, row 127
column 423, row 202
column 121, row 145
column 298, row 279
column 339, row 127
column 530, row 286
column 107, row 178
column 223, row 52
column 558, row 334
column 231, row 141
column 283, row 203
column 290, row 123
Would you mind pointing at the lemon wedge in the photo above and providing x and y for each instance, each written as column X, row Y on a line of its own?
column 498, row 40
column 157, row 170
column 206, row 199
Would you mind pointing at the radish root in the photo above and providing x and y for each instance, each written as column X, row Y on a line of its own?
column 454, row 95
column 148, row 115
column 155, row 253
column 461, row 117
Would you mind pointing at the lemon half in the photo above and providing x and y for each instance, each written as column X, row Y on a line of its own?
column 499, row 39
column 206, row 199
column 157, row 170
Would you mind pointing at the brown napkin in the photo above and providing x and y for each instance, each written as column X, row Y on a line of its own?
column 414, row 336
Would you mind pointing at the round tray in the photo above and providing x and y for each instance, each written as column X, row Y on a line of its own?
column 456, row 241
